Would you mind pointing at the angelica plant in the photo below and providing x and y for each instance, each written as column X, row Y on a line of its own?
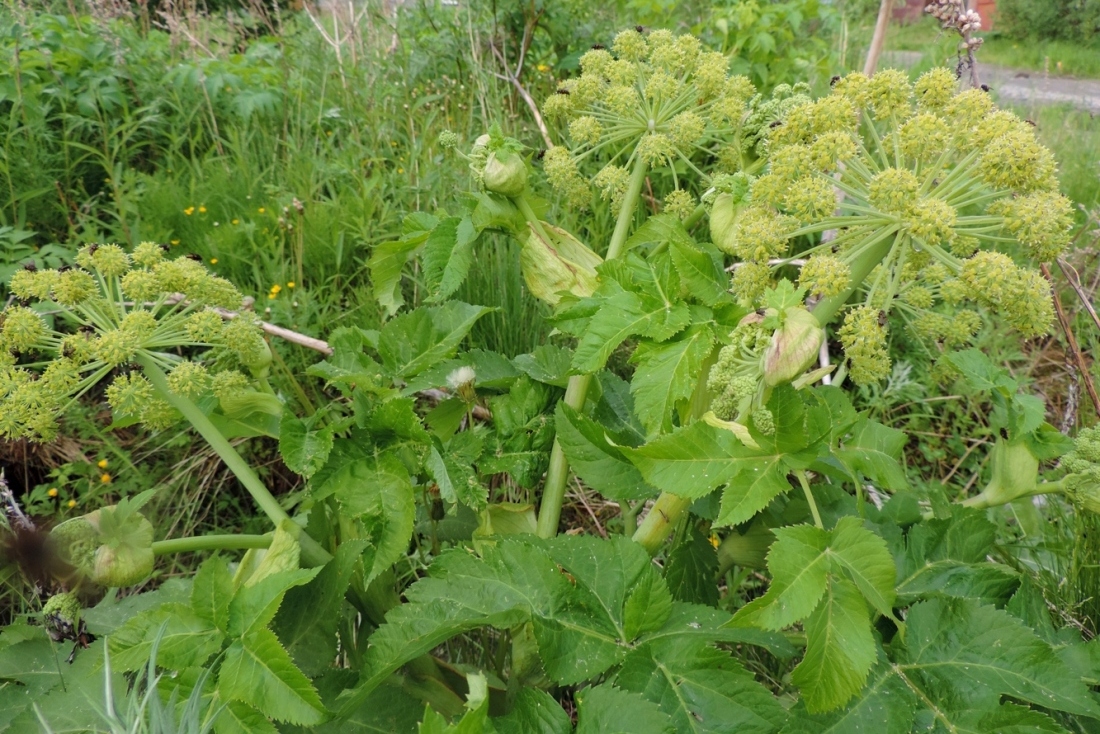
column 123, row 319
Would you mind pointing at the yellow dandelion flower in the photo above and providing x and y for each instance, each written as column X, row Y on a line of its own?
column 290, row 284
column 261, row 210
column 71, row 504
column 235, row 221
column 102, row 463
column 174, row 242
column 104, row 478
column 543, row 68
column 202, row 209
column 52, row 491
column 213, row 261
column 189, row 210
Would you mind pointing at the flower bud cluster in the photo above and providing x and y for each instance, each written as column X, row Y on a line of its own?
column 136, row 306
column 655, row 96
column 864, row 338
column 927, row 180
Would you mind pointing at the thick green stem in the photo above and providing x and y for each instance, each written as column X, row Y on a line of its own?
column 827, row 308
column 557, row 474
column 210, row 542
column 528, row 213
column 663, row 516
column 810, row 498
column 312, row 552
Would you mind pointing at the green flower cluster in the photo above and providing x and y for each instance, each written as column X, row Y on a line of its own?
column 116, row 308
column 924, row 182
column 657, row 97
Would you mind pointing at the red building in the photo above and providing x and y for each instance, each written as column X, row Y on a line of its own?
column 908, row 11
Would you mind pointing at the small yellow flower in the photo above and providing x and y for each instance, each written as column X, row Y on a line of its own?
column 290, row 284
column 175, row 242
column 104, row 478
column 71, row 504
column 714, row 540
column 202, row 209
column 102, row 463
column 271, row 296
column 400, row 170
column 213, row 261
column 189, row 210
column 543, row 68
column 261, row 210
column 276, row 288
column 52, row 491
column 235, row 221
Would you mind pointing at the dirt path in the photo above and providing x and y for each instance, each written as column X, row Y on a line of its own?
column 1021, row 87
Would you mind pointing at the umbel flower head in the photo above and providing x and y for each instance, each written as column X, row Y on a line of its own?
column 114, row 309
column 924, row 181
column 657, row 100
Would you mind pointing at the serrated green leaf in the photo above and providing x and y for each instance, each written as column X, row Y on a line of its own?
column 980, row 372
column 799, row 566
column 691, row 569
column 759, row 481
column 865, row 558
column 656, row 230
column 667, row 374
column 840, row 648
column 614, row 410
column 691, row 462
column 240, row 718
column 451, row 467
column 601, row 465
column 253, row 606
column 873, row 450
column 304, row 450
column 447, row 256
column 1008, row 718
column 492, row 370
column 392, row 419
column 534, row 712
column 388, row 259
column 309, row 616
column 379, row 492
column 547, row 363
column 885, row 706
column 974, row 654
column 703, row 690
column 464, row 592
column 211, row 592
column 948, row 557
column 388, row 710
column 620, row 317
column 259, row 672
column 608, row 710
column 617, row 594
column 420, row 339
column 186, row 641
column 701, row 272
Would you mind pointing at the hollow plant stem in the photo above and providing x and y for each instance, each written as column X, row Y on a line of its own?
column 802, row 480
column 662, row 517
column 210, row 542
column 557, row 474
column 312, row 552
